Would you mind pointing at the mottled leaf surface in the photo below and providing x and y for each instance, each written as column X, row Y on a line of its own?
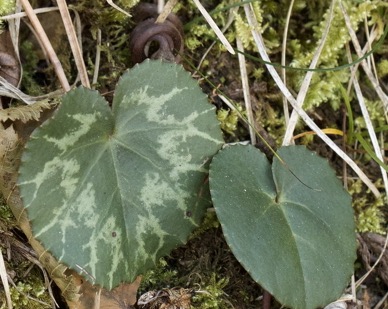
column 293, row 232
column 109, row 191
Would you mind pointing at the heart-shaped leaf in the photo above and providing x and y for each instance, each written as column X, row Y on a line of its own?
column 110, row 191
column 291, row 226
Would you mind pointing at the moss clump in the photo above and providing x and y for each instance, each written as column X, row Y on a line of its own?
column 229, row 119
column 211, row 293
column 29, row 295
column 368, row 210
column 29, row 289
column 7, row 7
column 160, row 277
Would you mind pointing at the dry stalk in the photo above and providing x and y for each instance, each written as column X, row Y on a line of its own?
column 98, row 58
column 245, row 86
column 214, row 27
column 368, row 123
column 283, row 62
column 167, row 9
column 110, row 2
column 75, row 47
column 47, row 45
column 383, row 97
column 4, row 280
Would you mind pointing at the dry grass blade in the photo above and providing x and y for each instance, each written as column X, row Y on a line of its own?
column 306, row 81
column 213, row 25
column 369, row 126
column 4, row 280
column 261, row 48
column 98, row 59
column 46, row 42
column 381, row 302
column 23, row 14
column 362, row 279
column 245, row 86
column 383, row 97
column 8, row 90
column 283, row 61
column 226, row 27
column 110, row 2
column 75, row 48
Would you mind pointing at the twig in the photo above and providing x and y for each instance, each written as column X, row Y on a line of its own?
column 49, row 48
column 261, row 48
column 245, row 86
column 75, row 48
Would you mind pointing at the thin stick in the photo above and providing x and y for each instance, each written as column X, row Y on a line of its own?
column 261, row 48
column 213, row 25
column 75, row 48
column 47, row 44
column 245, row 86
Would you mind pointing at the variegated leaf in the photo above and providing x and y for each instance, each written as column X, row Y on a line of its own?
column 109, row 191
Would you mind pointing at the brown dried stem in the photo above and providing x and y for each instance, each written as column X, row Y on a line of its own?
column 72, row 37
column 47, row 45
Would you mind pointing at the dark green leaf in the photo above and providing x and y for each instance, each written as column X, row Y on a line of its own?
column 292, row 231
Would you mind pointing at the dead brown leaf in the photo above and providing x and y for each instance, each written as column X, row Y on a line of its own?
column 94, row 297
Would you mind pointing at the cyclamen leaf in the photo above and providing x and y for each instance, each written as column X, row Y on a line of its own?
column 108, row 192
column 293, row 232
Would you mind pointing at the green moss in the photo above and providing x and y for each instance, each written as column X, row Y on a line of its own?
column 229, row 119
column 368, row 210
column 160, row 277
column 382, row 68
column 29, row 290
column 30, row 65
column 7, row 7
column 28, row 295
column 325, row 85
column 211, row 294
